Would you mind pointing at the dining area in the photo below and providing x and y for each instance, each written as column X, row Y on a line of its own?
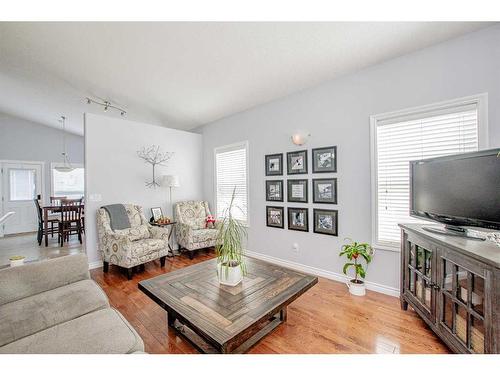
column 61, row 220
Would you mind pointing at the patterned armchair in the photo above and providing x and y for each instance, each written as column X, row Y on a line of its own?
column 190, row 230
column 134, row 246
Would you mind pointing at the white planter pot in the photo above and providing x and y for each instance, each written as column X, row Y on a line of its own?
column 16, row 262
column 230, row 276
column 356, row 289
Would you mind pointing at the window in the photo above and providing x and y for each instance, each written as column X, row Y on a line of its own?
column 68, row 184
column 22, row 184
column 231, row 172
column 398, row 138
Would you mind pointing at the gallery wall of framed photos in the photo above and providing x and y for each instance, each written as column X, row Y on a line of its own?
column 294, row 178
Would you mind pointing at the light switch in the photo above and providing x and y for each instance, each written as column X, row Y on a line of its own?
column 95, row 197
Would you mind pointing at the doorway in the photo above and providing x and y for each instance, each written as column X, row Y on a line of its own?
column 21, row 182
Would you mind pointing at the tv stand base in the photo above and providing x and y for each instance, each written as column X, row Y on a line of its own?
column 454, row 231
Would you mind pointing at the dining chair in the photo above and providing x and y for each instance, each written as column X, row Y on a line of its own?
column 71, row 219
column 56, row 201
column 52, row 220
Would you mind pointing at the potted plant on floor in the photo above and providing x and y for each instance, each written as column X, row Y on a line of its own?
column 229, row 247
column 354, row 252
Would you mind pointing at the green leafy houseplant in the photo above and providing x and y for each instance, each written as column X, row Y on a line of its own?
column 230, row 235
column 353, row 251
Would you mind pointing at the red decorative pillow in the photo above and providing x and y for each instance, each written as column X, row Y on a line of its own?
column 210, row 222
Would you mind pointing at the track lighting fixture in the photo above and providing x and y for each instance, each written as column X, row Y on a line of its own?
column 107, row 105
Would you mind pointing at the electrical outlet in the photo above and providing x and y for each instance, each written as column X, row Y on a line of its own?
column 295, row 247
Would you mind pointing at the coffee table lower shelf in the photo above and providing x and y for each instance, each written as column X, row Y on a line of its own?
column 243, row 342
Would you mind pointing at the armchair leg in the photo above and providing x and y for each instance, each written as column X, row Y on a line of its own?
column 191, row 255
column 129, row 273
column 162, row 261
column 105, row 267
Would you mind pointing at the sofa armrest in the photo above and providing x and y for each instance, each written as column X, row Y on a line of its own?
column 33, row 278
column 161, row 233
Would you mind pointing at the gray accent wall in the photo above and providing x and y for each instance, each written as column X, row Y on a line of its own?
column 337, row 113
column 30, row 141
column 115, row 174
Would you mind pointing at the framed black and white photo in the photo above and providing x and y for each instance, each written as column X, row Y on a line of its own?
column 274, row 190
column 324, row 159
column 274, row 165
column 296, row 162
column 325, row 221
column 274, row 217
column 157, row 213
column 324, row 190
column 297, row 191
column 298, row 219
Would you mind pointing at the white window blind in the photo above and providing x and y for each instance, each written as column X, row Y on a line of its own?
column 415, row 136
column 231, row 173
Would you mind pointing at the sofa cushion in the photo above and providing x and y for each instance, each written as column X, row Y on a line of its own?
column 37, row 277
column 102, row 332
column 203, row 235
column 139, row 232
column 38, row 312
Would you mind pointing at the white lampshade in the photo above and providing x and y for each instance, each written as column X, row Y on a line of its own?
column 171, row 180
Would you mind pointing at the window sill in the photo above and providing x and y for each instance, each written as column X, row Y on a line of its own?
column 395, row 248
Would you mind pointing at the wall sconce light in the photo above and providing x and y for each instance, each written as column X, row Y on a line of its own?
column 300, row 138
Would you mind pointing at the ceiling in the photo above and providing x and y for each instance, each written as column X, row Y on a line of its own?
column 183, row 75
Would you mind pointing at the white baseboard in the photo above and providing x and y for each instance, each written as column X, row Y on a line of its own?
column 96, row 264
column 391, row 291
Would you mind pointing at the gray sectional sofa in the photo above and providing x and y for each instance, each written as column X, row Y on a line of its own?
column 54, row 307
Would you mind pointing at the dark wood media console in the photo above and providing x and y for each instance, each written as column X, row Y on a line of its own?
column 453, row 283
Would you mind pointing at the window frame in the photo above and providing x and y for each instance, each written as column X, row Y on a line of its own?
column 225, row 148
column 74, row 165
column 480, row 100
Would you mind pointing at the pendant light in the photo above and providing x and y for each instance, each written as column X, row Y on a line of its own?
column 66, row 165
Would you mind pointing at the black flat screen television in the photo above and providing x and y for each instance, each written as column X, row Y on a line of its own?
column 457, row 190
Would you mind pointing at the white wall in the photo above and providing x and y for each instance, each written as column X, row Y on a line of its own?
column 25, row 140
column 114, row 170
column 337, row 113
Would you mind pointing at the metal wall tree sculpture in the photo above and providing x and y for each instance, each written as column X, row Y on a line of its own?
column 153, row 156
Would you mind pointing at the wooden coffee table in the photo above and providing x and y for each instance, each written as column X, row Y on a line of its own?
column 221, row 319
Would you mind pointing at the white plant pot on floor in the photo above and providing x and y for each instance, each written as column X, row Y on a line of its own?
column 356, row 289
column 230, row 276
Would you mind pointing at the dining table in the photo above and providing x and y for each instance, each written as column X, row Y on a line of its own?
column 46, row 210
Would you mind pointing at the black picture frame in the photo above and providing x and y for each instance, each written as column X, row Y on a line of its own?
column 156, row 212
column 292, row 212
column 319, row 222
column 290, row 190
column 271, row 166
column 279, row 224
column 271, row 195
column 291, row 162
column 328, row 164
column 320, row 195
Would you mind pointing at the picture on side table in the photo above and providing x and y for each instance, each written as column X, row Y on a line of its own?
column 274, row 217
column 274, row 190
column 324, row 159
column 274, row 165
column 156, row 212
column 298, row 219
column 324, row 190
column 296, row 162
column 297, row 191
column 325, row 221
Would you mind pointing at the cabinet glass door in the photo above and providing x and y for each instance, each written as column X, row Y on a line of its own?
column 419, row 275
column 462, row 305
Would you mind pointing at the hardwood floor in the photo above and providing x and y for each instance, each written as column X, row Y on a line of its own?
column 326, row 319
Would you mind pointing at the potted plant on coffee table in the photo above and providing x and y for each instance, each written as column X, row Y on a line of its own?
column 229, row 247
column 354, row 252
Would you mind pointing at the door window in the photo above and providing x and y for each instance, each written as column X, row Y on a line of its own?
column 22, row 183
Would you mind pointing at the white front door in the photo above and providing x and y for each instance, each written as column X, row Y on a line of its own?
column 21, row 183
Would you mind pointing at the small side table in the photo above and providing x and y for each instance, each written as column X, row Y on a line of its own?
column 172, row 223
